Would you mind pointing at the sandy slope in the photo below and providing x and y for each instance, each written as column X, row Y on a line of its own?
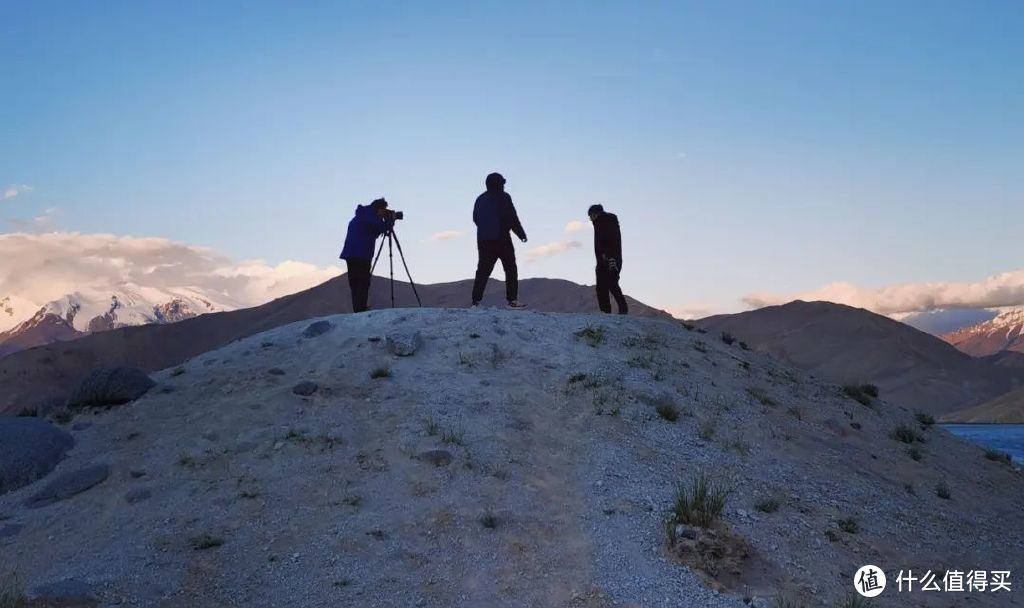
column 328, row 500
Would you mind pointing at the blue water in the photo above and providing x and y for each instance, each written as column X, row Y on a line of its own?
column 1007, row 438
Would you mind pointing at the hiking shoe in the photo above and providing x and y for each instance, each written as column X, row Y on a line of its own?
column 516, row 304
column 475, row 305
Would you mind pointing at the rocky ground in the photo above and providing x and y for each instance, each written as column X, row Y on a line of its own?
column 500, row 459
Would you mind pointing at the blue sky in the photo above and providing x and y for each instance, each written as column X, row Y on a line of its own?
column 746, row 146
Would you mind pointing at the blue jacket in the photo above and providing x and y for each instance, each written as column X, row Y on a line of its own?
column 494, row 215
column 363, row 230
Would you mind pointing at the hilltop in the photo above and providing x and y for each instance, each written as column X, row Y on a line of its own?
column 38, row 377
column 452, row 457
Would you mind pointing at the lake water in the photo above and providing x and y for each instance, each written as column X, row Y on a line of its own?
column 1007, row 438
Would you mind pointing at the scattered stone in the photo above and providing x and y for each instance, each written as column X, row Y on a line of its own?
column 317, row 328
column 177, row 371
column 266, row 344
column 438, row 458
column 29, row 449
column 275, row 371
column 107, row 386
column 9, row 530
column 305, row 388
column 69, row 484
column 404, row 343
column 137, row 495
column 137, row 473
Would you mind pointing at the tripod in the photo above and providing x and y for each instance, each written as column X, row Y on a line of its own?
column 391, row 237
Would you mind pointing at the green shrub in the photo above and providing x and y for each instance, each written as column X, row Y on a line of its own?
column 850, row 525
column 768, row 505
column 592, row 335
column 997, row 456
column 905, row 434
column 942, row 490
column 667, row 410
column 861, row 393
column 701, row 503
column 382, row 371
column 728, row 338
column 925, row 420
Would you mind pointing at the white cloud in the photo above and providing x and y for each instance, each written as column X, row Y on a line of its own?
column 13, row 191
column 47, row 222
column 551, row 249
column 446, row 235
column 574, row 226
column 1005, row 289
column 43, row 267
column 690, row 311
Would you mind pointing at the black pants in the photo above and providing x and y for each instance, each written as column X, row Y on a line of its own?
column 489, row 253
column 359, row 282
column 608, row 282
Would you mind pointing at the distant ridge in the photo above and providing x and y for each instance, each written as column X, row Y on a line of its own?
column 846, row 344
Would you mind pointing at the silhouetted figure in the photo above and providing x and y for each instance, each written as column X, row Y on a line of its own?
column 495, row 216
column 608, row 251
column 368, row 223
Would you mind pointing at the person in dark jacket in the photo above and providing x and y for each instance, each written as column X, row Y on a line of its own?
column 495, row 217
column 368, row 223
column 608, row 251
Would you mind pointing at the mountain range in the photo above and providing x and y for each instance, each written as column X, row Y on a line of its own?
column 1003, row 333
column 87, row 311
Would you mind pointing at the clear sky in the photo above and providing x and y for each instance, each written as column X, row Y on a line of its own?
column 746, row 146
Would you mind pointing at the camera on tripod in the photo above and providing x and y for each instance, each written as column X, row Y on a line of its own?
column 395, row 215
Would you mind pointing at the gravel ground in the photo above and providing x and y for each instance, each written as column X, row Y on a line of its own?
column 228, row 489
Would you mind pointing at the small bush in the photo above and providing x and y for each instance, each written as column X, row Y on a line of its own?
column 833, row 536
column 761, row 395
column 942, row 490
column 915, row 454
column 744, row 345
column 707, row 429
column 433, row 428
column 853, row 601
column 768, row 505
column 12, row 593
column 870, row 390
column 382, row 371
column 700, row 347
column 205, row 541
column 860, row 393
column 905, row 434
column 28, row 412
column 997, row 456
column 728, row 338
column 849, row 525
column 925, row 420
column 592, row 335
column 667, row 410
column 645, row 361
column 701, row 503
column 453, row 436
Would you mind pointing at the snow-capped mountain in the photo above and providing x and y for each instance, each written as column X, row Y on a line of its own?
column 87, row 311
column 1005, row 332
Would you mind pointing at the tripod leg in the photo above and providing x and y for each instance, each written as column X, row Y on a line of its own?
column 411, row 282
column 391, row 263
column 380, row 250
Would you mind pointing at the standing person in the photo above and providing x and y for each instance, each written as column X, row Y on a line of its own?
column 495, row 216
column 368, row 223
column 608, row 251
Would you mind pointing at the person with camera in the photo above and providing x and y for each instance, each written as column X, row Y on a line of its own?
column 495, row 217
column 608, row 251
column 368, row 223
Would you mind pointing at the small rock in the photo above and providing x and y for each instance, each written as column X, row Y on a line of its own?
column 317, row 328
column 438, row 458
column 404, row 343
column 107, row 386
column 266, row 344
column 305, row 388
column 137, row 495
column 137, row 473
column 275, row 371
column 69, row 484
column 29, row 449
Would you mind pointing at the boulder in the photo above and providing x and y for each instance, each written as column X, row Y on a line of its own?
column 29, row 449
column 317, row 328
column 69, row 484
column 305, row 388
column 404, row 343
column 108, row 386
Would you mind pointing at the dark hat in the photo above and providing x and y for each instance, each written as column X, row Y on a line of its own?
column 595, row 209
column 380, row 203
column 494, row 179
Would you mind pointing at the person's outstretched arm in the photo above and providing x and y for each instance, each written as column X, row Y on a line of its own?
column 511, row 218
